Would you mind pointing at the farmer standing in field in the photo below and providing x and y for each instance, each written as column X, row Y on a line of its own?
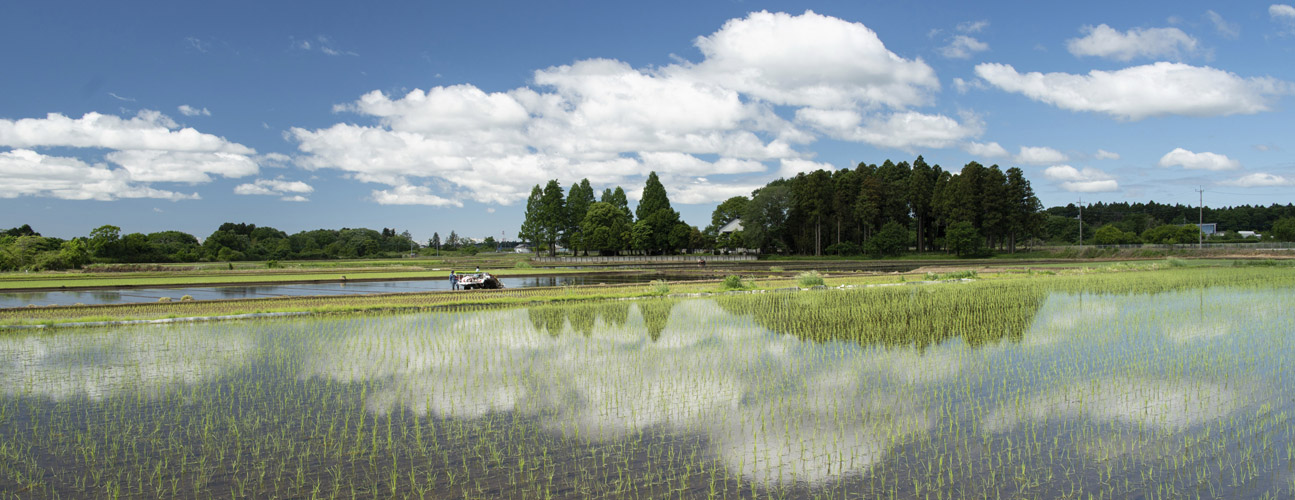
column 454, row 281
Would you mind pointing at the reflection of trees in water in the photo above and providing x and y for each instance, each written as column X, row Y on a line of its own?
column 29, row 296
column 897, row 316
column 656, row 314
column 236, row 291
column 106, row 295
column 582, row 317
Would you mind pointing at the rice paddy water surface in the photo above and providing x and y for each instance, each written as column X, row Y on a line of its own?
column 1065, row 388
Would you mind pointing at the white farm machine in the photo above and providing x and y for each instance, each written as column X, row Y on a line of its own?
column 471, row 281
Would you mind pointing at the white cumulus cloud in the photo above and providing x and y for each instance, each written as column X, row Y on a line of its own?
column 147, row 130
column 276, row 187
column 1103, row 154
column 1260, row 179
column 1040, row 155
column 1087, row 180
column 193, row 167
column 1282, row 12
column 907, row 130
column 1139, row 92
column 612, row 123
column 1198, row 161
column 147, row 148
column 24, row 172
column 811, row 60
column 412, row 195
column 983, row 150
column 1105, row 41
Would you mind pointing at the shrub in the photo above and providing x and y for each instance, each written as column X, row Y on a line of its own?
column 964, row 240
column 523, row 264
column 1177, row 262
column 809, row 279
column 186, row 298
column 776, row 269
column 1111, row 235
column 164, row 299
column 733, row 282
column 660, row 287
column 892, row 240
column 271, row 264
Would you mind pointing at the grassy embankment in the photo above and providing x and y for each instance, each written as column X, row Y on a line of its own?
column 1173, row 271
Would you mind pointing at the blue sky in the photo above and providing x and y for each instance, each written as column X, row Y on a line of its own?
column 433, row 116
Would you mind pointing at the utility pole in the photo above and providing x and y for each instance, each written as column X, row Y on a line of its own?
column 1081, row 223
column 1200, row 219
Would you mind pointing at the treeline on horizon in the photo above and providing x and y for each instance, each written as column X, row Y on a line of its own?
column 22, row 248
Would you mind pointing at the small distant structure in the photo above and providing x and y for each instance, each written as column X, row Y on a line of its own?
column 733, row 226
column 1208, row 228
column 1249, row 234
column 522, row 249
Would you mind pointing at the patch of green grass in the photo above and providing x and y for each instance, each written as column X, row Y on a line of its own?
column 734, row 282
column 809, row 279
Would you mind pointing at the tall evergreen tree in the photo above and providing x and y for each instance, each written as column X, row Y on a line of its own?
column 579, row 197
column 532, row 225
column 996, row 207
column 654, row 198
column 845, row 190
column 921, row 187
column 1025, row 216
column 654, row 210
column 811, row 207
column 617, row 199
column 867, row 205
column 894, row 178
column 552, row 215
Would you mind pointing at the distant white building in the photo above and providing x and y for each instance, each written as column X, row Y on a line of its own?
column 1249, row 234
column 1209, row 228
column 522, row 249
column 733, row 226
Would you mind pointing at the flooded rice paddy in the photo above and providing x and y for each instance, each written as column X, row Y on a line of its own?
column 952, row 391
column 140, row 295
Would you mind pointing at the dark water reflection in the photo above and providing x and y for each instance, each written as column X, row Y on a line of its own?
column 126, row 295
column 1119, row 396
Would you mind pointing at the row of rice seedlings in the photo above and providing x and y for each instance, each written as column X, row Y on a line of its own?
column 1011, row 390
